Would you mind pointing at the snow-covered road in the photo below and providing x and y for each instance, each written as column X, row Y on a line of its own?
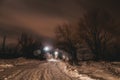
column 50, row 70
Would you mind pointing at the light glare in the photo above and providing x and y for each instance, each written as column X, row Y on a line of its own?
column 46, row 48
column 56, row 53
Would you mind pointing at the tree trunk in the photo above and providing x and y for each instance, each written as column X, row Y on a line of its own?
column 4, row 43
column 74, row 57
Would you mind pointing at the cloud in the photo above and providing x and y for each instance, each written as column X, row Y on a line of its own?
column 47, row 11
column 41, row 16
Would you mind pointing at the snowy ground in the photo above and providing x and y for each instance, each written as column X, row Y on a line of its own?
column 101, row 70
column 22, row 69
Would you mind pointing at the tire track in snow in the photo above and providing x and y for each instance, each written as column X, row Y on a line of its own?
column 44, row 71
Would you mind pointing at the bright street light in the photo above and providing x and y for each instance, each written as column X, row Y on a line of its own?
column 56, row 52
column 46, row 48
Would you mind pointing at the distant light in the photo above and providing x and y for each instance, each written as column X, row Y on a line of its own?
column 56, row 53
column 53, row 60
column 46, row 48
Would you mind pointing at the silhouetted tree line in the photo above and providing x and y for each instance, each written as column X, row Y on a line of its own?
column 25, row 47
column 66, row 41
column 89, row 35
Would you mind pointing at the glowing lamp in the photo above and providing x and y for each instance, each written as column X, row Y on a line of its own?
column 46, row 48
column 56, row 53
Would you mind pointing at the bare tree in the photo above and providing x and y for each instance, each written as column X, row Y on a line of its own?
column 97, row 39
column 66, row 41
column 28, row 45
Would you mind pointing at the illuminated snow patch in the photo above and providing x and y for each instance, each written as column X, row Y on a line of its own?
column 6, row 66
column 53, row 60
column 75, row 74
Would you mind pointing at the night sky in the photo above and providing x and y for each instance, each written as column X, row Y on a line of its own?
column 42, row 16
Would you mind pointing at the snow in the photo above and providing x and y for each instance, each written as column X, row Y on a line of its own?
column 52, row 60
column 6, row 66
column 101, row 70
column 88, row 70
column 75, row 74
